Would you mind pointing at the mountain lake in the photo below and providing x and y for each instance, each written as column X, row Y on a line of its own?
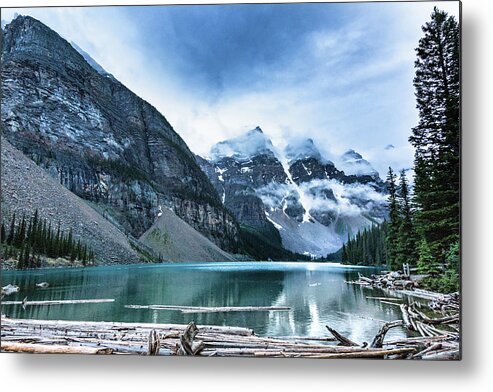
column 317, row 294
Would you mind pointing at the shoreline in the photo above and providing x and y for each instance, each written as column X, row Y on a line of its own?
column 78, row 337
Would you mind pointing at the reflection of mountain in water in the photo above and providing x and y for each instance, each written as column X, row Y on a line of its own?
column 316, row 293
column 319, row 298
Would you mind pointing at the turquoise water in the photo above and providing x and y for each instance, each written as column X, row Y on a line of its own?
column 316, row 292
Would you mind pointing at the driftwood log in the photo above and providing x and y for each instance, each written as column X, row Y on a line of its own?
column 201, row 309
column 154, row 343
column 187, row 345
column 340, row 338
column 25, row 302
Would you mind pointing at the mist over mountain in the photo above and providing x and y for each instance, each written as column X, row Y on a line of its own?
column 313, row 205
column 114, row 150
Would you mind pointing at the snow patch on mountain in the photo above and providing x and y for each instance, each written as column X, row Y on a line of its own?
column 243, row 147
column 314, row 215
column 303, row 149
column 352, row 163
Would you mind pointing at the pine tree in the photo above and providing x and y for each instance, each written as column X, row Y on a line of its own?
column 3, row 234
column 393, row 223
column 20, row 234
column 437, row 136
column 407, row 239
column 10, row 238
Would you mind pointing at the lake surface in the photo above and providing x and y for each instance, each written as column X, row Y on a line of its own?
column 316, row 292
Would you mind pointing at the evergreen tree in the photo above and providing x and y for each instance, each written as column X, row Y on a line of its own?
column 407, row 239
column 393, row 223
column 3, row 234
column 10, row 237
column 436, row 138
column 20, row 234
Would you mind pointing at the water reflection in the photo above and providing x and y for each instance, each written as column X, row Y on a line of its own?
column 316, row 293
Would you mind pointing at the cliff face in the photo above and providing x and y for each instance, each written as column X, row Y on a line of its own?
column 304, row 198
column 26, row 188
column 100, row 140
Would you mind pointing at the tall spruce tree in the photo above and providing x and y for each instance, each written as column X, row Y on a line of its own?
column 437, row 136
column 407, row 239
column 392, row 240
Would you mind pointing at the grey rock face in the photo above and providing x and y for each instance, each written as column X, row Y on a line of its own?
column 99, row 139
column 26, row 188
column 312, row 203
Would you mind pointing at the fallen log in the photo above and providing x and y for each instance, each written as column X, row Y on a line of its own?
column 380, row 336
column 340, row 338
column 154, row 343
column 386, row 298
column 357, row 354
column 57, row 302
column 52, row 349
column 201, row 309
column 406, row 318
column 187, row 345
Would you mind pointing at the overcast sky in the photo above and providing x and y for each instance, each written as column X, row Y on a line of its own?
column 338, row 73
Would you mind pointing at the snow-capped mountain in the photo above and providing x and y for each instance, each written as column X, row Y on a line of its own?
column 353, row 163
column 312, row 203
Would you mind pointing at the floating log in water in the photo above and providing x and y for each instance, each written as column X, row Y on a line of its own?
column 386, row 298
column 57, row 302
column 439, row 339
column 202, row 309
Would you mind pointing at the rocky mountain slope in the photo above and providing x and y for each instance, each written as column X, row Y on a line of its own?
column 99, row 140
column 311, row 203
column 27, row 187
column 167, row 236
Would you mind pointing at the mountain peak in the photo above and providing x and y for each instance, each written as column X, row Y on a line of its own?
column 27, row 37
column 350, row 155
column 353, row 163
column 243, row 147
column 303, row 149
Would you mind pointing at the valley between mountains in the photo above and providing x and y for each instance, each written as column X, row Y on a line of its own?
column 85, row 154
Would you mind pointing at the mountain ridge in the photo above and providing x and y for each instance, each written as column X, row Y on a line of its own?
column 102, row 142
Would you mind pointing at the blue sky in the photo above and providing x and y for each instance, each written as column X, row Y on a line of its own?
column 338, row 73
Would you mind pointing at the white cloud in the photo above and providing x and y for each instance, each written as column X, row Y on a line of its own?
column 363, row 104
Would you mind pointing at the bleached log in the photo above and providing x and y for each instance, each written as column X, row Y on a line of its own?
column 406, row 318
column 201, row 309
column 380, row 336
column 154, row 343
column 51, row 349
column 57, row 302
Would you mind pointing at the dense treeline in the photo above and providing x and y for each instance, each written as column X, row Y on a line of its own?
column 266, row 245
column 436, row 140
column 27, row 239
column 367, row 247
column 423, row 227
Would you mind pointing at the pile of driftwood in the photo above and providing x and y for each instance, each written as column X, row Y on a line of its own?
column 45, row 336
column 391, row 280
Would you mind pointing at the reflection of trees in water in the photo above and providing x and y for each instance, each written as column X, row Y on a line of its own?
column 317, row 298
column 322, row 297
column 101, row 282
column 150, row 285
